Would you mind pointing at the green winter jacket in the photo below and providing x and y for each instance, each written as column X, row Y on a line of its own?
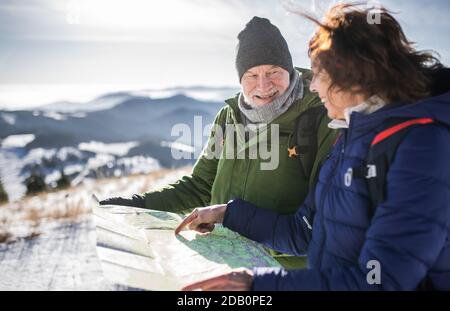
column 216, row 181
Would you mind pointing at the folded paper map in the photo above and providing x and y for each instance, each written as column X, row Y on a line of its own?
column 138, row 249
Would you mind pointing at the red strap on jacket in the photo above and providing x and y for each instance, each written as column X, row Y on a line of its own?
column 396, row 128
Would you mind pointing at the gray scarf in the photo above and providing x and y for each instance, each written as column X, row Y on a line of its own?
column 269, row 112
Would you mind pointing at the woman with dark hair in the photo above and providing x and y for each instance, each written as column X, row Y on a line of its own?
column 381, row 94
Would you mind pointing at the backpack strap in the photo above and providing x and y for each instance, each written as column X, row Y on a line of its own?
column 223, row 122
column 304, row 145
column 381, row 154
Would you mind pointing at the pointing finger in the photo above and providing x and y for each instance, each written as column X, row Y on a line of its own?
column 186, row 221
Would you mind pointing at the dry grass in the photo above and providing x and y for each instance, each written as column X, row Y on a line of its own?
column 33, row 217
column 68, row 212
column 5, row 235
column 69, row 204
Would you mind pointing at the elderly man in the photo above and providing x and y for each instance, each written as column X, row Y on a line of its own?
column 273, row 93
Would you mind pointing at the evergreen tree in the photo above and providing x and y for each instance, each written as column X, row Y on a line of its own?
column 63, row 182
column 35, row 183
column 3, row 194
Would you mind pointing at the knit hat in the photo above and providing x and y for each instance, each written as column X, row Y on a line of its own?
column 261, row 43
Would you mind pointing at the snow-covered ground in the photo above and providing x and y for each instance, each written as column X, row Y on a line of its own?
column 10, row 167
column 90, row 160
column 63, row 258
column 48, row 242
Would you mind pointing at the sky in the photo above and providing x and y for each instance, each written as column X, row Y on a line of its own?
column 56, row 49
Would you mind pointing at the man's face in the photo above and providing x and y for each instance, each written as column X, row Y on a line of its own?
column 262, row 84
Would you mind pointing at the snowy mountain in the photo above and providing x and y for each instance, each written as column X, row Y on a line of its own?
column 110, row 100
column 116, row 134
column 135, row 118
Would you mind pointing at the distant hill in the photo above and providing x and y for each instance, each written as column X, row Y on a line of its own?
column 116, row 118
column 135, row 118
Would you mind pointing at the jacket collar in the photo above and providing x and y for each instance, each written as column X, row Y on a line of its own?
column 369, row 106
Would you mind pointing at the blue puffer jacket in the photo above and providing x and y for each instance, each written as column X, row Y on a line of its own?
column 408, row 234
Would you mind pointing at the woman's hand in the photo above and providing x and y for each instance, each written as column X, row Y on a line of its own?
column 203, row 219
column 236, row 280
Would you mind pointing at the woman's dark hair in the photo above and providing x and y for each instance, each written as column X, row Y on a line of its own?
column 374, row 58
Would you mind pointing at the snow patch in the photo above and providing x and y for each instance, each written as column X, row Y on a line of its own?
column 118, row 149
column 101, row 160
column 9, row 118
column 38, row 155
column 54, row 115
column 138, row 165
column 17, row 141
column 52, row 177
column 10, row 166
column 178, row 146
column 73, row 169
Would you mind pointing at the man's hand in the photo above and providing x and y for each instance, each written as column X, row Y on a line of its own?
column 236, row 280
column 135, row 201
column 203, row 219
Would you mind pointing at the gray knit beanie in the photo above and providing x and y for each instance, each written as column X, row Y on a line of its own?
column 261, row 43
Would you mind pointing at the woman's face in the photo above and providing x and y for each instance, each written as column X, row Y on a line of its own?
column 335, row 101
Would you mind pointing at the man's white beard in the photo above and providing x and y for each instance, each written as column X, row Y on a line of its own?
column 249, row 102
